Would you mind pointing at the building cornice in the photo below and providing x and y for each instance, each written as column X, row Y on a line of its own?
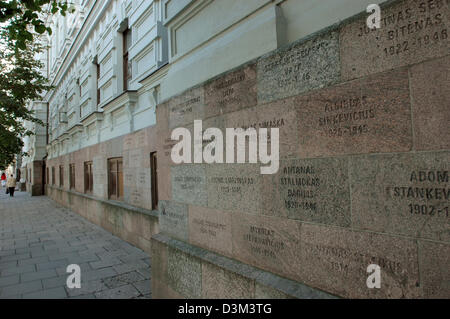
column 91, row 118
column 92, row 18
column 127, row 97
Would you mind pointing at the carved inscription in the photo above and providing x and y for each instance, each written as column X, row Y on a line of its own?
column 267, row 242
column 184, row 109
column 344, row 256
column 136, row 196
column 418, row 25
column 231, row 184
column 209, row 228
column 227, row 92
column 313, row 190
column 302, row 67
column 129, row 179
column 405, row 194
column 428, row 194
column 231, row 92
column 189, row 184
column 301, row 184
column 262, row 242
column 346, row 117
column 143, row 179
column 167, row 146
column 411, row 31
column 341, row 259
column 173, row 219
column 233, row 187
column 361, row 116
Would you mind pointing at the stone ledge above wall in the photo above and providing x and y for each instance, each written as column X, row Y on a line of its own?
column 219, row 277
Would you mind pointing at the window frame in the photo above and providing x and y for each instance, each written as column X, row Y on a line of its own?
column 72, row 176
column 127, row 72
column 118, row 179
column 154, row 179
column 88, row 177
column 98, row 83
column 61, row 176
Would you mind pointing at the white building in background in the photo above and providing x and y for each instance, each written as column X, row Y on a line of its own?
column 98, row 56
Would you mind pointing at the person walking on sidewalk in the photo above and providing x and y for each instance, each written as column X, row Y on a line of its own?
column 11, row 185
column 3, row 179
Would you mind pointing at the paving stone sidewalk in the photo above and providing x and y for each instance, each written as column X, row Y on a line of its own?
column 39, row 239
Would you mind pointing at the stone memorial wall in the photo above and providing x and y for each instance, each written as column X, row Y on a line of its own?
column 131, row 218
column 363, row 178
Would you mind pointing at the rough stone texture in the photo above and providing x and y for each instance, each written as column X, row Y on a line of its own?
column 223, row 277
column 164, row 291
column 234, row 187
column 184, row 274
column 307, row 65
column 362, row 116
column 263, row 292
column 189, row 184
column 187, row 107
column 430, row 92
column 218, row 283
column 336, row 260
column 434, row 269
column 173, row 219
column 279, row 114
column 211, row 229
column 159, row 262
column 231, row 92
column 312, row 190
column 269, row 243
column 403, row 194
column 411, row 32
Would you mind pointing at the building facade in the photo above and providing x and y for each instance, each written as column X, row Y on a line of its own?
column 355, row 133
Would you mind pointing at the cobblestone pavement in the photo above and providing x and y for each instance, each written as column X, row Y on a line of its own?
column 39, row 239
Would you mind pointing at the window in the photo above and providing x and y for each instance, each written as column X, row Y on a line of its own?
column 72, row 176
column 80, row 92
column 127, row 71
column 98, row 83
column 47, row 177
column 53, row 176
column 88, row 178
column 154, row 180
column 115, row 179
column 61, row 176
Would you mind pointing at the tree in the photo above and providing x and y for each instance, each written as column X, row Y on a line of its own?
column 24, row 18
column 21, row 24
column 20, row 82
